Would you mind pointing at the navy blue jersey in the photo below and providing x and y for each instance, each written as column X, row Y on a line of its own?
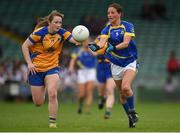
column 84, row 58
column 115, row 35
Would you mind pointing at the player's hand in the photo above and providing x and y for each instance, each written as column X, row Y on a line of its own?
column 31, row 68
column 110, row 48
column 93, row 47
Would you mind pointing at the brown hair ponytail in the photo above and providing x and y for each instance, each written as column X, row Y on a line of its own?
column 45, row 20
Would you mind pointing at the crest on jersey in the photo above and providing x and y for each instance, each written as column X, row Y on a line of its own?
column 122, row 32
column 117, row 34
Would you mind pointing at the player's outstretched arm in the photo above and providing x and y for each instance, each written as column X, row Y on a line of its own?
column 72, row 40
column 94, row 47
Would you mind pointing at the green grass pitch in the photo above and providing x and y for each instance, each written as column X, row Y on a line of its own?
column 24, row 117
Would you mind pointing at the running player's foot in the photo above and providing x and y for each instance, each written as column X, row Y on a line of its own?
column 52, row 125
column 79, row 111
column 107, row 115
column 131, row 124
column 101, row 103
column 133, row 119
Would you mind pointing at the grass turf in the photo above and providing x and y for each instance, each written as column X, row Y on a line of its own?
column 26, row 117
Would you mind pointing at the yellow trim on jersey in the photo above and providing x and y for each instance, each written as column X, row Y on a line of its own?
column 74, row 56
column 109, row 31
column 106, row 60
column 97, row 39
column 118, row 56
column 115, row 27
column 66, row 34
column 129, row 34
column 38, row 29
column 119, row 26
column 80, row 64
column 104, row 36
column 102, row 50
column 35, row 38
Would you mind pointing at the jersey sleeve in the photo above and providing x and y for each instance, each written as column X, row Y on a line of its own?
column 129, row 30
column 65, row 34
column 74, row 54
column 36, row 36
column 102, row 50
column 105, row 32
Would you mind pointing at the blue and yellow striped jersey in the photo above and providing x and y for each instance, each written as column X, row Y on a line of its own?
column 84, row 58
column 47, row 47
column 115, row 35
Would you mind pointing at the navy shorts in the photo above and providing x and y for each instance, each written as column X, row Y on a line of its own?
column 103, row 72
column 38, row 78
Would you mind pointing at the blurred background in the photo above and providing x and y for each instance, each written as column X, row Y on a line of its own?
column 157, row 30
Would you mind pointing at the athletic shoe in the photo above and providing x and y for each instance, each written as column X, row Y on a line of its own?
column 133, row 119
column 107, row 115
column 79, row 111
column 52, row 125
column 101, row 103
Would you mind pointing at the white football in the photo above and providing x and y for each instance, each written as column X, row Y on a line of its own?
column 80, row 33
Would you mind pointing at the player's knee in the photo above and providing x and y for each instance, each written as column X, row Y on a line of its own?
column 89, row 96
column 110, row 92
column 125, row 88
column 52, row 95
column 38, row 103
column 122, row 99
column 81, row 95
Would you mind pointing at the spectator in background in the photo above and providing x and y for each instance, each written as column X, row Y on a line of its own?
column 64, row 61
column 70, row 85
column 1, row 51
column 146, row 11
column 169, row 88
column 172, row 64
column 94, row 23
column 24, row 71
column 179, row 67
column 2, row 76
column 154, row 11
column 160, row 9
column 172, row 69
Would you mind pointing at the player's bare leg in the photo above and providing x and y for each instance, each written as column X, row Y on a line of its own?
column 52, row 82
column 81, row 96
column 102, row 95
column 110, row 85
column 89, row 95
column 128, row 78
column 38, row 95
